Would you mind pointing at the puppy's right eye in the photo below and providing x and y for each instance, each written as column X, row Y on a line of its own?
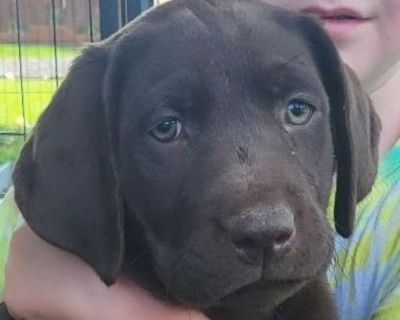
column 298, row 112
column 168, row 130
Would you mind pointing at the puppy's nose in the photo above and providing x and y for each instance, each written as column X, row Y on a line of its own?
column 256, row 233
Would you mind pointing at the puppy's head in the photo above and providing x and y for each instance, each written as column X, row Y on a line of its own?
column 203, row 138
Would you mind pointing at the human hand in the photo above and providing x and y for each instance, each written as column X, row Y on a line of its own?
column 44, row 282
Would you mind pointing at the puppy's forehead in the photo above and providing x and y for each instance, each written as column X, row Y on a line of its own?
column 219, row 51
column 211, row 34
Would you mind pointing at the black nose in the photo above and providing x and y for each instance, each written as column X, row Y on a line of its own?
column 259, row 232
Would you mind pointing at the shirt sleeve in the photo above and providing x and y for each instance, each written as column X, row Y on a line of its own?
column 10, row 219
column 390, row 306
column 367, row 266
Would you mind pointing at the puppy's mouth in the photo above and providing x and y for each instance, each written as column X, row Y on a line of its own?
column 264, row 292
column 269, row 291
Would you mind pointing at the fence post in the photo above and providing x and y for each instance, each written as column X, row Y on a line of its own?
column 136, row 7
column 113, row 14
column 109, row 17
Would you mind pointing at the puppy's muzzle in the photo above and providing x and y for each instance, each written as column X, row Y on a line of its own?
column 262, row 232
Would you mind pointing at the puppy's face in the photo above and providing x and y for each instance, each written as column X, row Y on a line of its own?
column 197, row 148
column 225, row 156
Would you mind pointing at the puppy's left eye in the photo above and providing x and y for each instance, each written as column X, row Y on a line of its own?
column 298, row 112
column 168, row 130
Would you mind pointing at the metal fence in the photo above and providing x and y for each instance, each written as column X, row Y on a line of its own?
column 38, row 41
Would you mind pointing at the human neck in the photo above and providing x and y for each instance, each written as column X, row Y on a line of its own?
column 386, row 99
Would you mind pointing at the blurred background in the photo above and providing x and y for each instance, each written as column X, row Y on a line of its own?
column 38, row 41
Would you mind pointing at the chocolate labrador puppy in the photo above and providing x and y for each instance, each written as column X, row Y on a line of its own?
column 196, row 149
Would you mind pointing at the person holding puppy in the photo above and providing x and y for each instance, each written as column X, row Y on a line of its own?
column 366, row 274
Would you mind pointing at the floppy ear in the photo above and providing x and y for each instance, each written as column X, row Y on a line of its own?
column 355, row 127
column 64, row 179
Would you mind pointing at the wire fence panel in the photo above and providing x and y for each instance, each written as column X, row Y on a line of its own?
column 115, row 14
column 38, row 41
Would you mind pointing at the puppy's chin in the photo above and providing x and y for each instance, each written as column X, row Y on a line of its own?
column 207, row 278
column 267, row 293
column 261, row 294
column 205, row 290
column 244, row 288
column 200, row 284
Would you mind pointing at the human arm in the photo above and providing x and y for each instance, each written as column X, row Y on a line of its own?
column 47, row 283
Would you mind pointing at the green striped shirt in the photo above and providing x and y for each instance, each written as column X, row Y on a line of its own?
column 366, row 272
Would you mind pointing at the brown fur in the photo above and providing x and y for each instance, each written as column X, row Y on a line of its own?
column 192, row 219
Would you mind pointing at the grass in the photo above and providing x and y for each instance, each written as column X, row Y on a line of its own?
column 11, row 51
column 37, row 94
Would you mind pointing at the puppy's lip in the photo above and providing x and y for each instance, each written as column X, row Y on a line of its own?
column 274, row 284
column 270, row 291
column 283, row 281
